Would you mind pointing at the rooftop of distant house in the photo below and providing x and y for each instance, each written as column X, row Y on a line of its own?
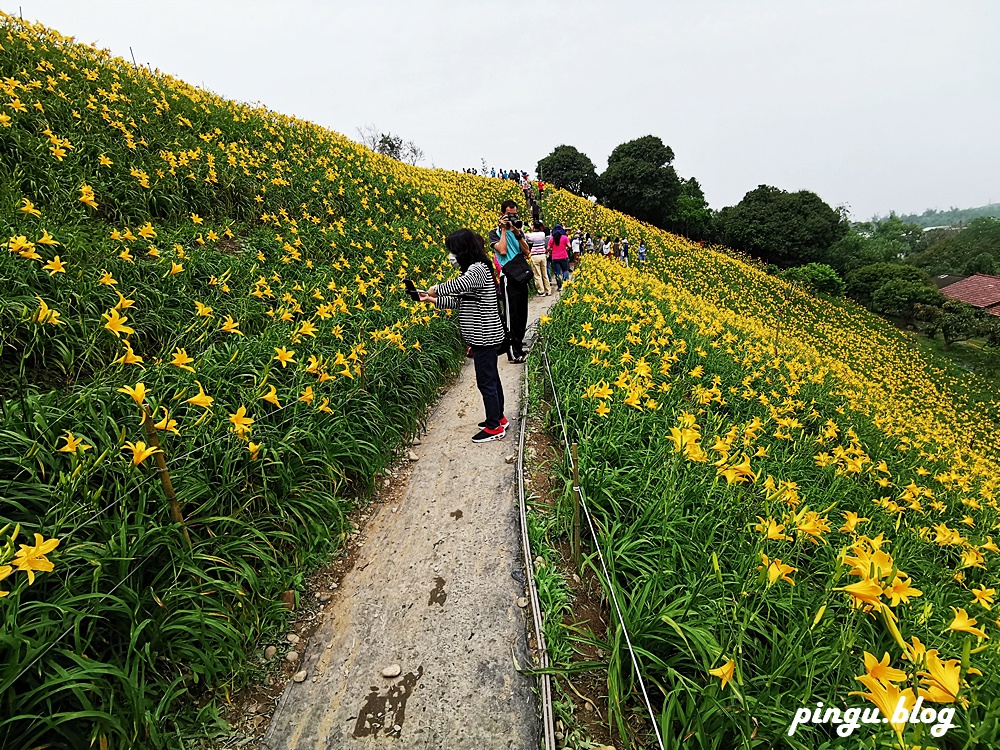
column 946, row 279
column 980, row 290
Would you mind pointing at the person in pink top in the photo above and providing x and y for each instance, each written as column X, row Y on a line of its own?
column 559, row 252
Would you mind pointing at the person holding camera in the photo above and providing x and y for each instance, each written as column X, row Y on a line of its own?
column 514, row 257
column 473, row 293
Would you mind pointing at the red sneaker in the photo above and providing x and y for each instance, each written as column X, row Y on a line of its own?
column 486, row 435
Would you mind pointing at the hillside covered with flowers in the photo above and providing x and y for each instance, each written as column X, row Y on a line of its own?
column 207, row 357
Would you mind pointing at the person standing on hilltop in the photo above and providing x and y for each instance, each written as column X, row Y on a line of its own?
column 493, row 171
column 474, row 295
column 507, row 241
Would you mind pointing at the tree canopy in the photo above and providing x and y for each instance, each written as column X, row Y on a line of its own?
column 781, row 227
column 569, row 168
column 641, row 182
column 962, row 252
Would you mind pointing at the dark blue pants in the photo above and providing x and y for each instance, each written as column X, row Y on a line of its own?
column 561, row 267
column 488, row 382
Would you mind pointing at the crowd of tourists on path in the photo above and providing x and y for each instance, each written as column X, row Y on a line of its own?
column 491, row 293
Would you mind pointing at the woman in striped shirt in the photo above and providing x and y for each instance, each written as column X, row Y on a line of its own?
column 474, row 294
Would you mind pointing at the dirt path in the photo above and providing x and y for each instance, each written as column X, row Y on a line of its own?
column 434, row 591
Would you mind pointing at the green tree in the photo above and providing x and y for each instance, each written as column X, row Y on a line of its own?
column 855, row 250
column 568, row 168
column 894, row 229
column 955, row 321
column 899, row 298
column 955, row 253
column 691, row 215
column 982, row 263
column 817, row 277
column 641, row 182
column 862, row 283
column 782, row 228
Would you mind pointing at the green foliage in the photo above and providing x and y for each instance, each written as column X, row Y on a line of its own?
column 896, row 230
column 816, row 277
column 956, row 321
column 887, row 241
column 691, row 215
column 863, row 282
column 686, row 548
column 567, row 167
column 983, row 263
column 960, row 253
column 641, row 182
column 953, row 216
column 268, row 220
column 782, row 228
column 900, row 298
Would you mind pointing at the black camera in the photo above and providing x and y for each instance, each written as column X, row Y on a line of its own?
column 514, row 221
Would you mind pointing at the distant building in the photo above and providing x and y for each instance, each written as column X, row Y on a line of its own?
column 981, row 291
column 945, row 279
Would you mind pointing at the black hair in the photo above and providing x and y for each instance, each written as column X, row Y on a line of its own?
column 468, row 248
column 507, row 204
column 537, row 225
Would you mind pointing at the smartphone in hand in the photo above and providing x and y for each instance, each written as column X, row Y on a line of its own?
column 412, row 291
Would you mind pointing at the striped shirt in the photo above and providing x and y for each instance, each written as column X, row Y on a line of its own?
column 474, row 294
column 536, row 240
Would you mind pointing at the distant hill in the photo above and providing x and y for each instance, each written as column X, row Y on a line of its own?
column 932, row 218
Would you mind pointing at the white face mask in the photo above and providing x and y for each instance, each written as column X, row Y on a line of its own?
column 453, row 259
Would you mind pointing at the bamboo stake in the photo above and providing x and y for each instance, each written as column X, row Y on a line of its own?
column 576, row 509
column 161, row 467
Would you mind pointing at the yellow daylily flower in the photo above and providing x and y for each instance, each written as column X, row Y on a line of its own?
column 202, row 399
column 31, row 558
column 965, row 624
column 241, row 422
column 724, row 673
column 73, row 444
column 139, row 451
column 138, row 393
column 182, row 360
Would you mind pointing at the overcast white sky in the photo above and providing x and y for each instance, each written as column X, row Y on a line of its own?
column 877, row 104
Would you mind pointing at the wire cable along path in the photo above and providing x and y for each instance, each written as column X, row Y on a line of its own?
column 595, row 539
